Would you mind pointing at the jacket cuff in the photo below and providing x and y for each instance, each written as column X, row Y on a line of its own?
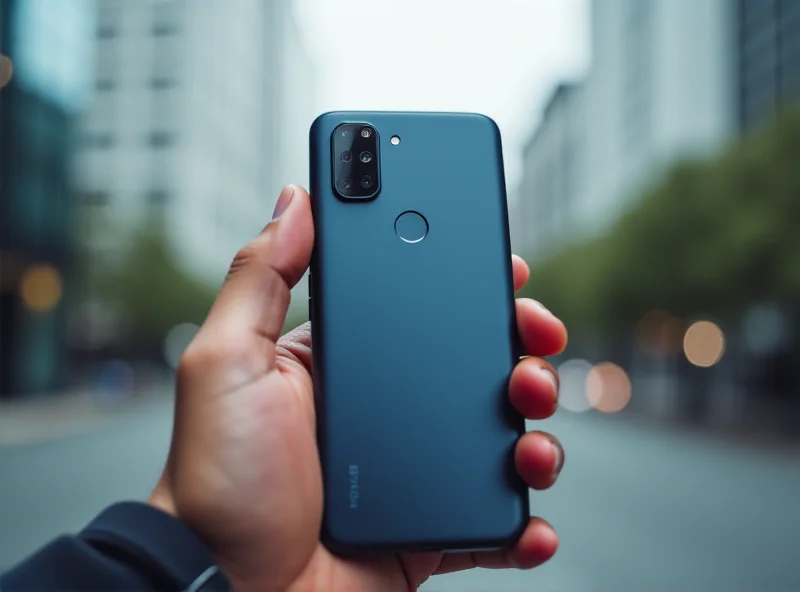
column 160, row 543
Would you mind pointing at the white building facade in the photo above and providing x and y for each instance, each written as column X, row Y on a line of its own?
column 200, row 114
column 661, row 86
column 549, row 189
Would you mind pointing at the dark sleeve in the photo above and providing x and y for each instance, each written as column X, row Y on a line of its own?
column 130, row 546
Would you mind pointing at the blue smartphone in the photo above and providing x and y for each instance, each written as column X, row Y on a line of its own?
column 414, row 333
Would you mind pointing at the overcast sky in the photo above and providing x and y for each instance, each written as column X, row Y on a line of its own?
column 498, row 57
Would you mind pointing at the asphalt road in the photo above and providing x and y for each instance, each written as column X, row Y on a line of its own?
column 637, row 508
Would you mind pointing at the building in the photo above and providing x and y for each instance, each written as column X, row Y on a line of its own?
column 194, row 124
column 298, row 107
column 552, row 160
column 768, row 50
column 50, row 45
column 660, row 87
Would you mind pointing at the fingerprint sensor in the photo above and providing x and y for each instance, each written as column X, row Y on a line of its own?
column 411, row 227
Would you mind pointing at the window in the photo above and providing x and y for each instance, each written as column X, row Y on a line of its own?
column 107, row 32
column 160, row 139
column 161, row 82
column 164, row 30
column 98, row 141
column 104, row 84
column 157, row 196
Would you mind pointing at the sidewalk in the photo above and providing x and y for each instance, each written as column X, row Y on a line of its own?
column 46, row 417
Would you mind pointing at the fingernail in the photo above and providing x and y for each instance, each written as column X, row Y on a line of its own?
column 551, row 376
column 558, row 456
column 542, row 306
column 283, row 201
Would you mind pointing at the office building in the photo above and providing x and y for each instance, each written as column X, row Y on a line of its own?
column 194, row 124
column 549, row 186
column 659, row 87
column 50, row 44
column 768, row 51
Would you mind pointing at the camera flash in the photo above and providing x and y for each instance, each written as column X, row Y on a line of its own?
column 395, row 140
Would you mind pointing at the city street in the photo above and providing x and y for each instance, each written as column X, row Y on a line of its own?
column 638, row 508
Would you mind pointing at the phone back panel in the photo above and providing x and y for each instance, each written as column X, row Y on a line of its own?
column 414, row 343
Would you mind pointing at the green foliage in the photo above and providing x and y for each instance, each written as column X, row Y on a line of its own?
column 152, row 292
column 712, row 238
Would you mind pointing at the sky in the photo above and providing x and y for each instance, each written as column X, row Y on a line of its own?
column 497, row 57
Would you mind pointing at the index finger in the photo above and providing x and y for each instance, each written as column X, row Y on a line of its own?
column 521, row 272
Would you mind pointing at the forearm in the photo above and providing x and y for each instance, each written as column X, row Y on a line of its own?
column 130, row 546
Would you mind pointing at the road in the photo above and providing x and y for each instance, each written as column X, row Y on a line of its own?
column 638, row 508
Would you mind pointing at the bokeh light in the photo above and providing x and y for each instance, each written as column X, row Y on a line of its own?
column 608, row 388
column 659, row 333
column 40, row 288
column 572, row 394
column 176, row 342
column 704, row 344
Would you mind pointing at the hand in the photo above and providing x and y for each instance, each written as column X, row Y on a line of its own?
column 244, row 471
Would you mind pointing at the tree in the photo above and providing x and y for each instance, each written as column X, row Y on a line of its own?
column 152, row 293
column 712, row 238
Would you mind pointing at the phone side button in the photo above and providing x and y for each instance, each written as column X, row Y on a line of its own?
column 310, row 292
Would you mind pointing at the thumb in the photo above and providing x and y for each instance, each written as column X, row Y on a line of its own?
column 255, row 296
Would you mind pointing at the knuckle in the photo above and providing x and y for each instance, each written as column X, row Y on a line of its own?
column 243, row 258
column 227, row 350
column 256, row 257
column 228, row 355
column 195, row 358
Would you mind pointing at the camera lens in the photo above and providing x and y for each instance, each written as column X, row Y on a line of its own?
column 346, row 183
column 345, row 133
column 347, row 156
column 366, row 181
column 366, row 132
column 365, row 157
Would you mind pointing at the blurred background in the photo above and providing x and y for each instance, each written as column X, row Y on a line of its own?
column 653, row 161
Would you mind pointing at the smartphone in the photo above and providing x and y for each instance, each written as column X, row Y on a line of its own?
column 414, row 333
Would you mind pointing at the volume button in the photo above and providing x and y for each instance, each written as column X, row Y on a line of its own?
column 310, row 288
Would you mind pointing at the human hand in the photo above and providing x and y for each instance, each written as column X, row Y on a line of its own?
column 244, row 470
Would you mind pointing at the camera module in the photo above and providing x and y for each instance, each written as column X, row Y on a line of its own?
column 356, row 161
